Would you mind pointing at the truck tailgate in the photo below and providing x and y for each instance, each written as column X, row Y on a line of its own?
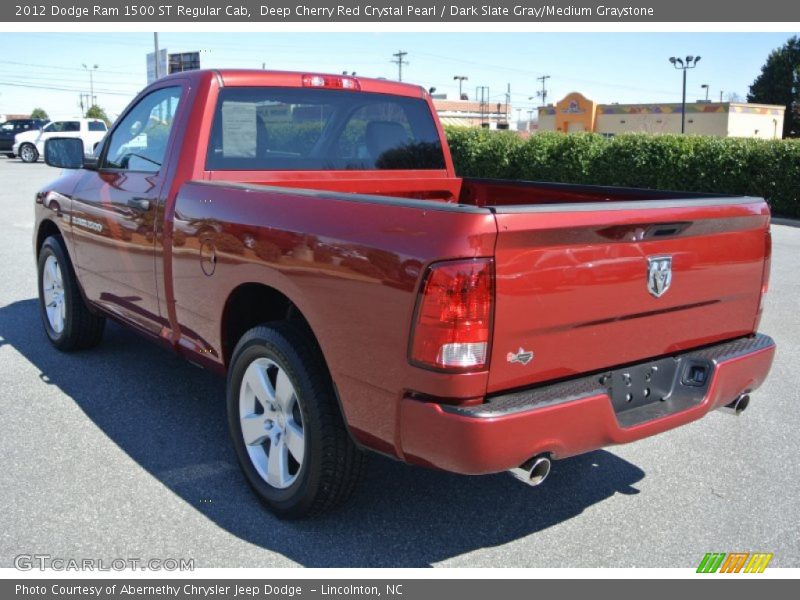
column 575, row 283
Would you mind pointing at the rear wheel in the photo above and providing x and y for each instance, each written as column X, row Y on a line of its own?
column 286, row 426
column 28, row 153
column 67, row 320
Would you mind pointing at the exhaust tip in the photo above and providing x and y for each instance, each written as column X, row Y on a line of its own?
column 738, row 406
column 533, row 472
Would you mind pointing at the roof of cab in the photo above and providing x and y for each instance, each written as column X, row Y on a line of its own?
column 256, row 77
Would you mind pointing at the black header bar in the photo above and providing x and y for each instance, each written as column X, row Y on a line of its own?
column 413, row 11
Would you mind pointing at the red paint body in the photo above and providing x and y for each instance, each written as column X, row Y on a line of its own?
column 349, row 249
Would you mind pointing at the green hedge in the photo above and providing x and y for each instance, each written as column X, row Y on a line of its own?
column 767, row 168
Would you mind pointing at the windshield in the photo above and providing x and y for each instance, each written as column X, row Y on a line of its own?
column 272, row 129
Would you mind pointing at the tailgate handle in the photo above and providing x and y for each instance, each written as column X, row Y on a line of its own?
column 665, row 230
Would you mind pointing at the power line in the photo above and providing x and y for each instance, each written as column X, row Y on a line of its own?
column 72, row 80
column 399, row 55
column 61, row 68
column 64, row 89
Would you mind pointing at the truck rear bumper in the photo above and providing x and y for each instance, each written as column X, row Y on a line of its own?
column 582, row 414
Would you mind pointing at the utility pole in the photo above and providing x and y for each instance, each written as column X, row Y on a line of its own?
column 399, row 55
column 482, row 95
column 543, row 93
column 156, row 69
column 92, row 99
column 508, row 100
column 720, row 95
column 461, row 79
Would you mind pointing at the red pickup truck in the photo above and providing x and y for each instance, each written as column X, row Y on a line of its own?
column 307, row 236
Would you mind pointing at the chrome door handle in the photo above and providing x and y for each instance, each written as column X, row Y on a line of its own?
column 139, row 203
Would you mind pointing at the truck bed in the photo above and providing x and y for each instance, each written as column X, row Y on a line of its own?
column 571, row 262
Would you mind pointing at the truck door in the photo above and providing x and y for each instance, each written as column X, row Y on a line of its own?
column 117, row 211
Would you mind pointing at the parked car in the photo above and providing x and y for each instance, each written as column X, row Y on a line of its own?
column 29, row 145
column 307, row 236
column 13, row 127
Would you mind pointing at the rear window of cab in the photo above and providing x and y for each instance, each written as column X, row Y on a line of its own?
column 301, row 129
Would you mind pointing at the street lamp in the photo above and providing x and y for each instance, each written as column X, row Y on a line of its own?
column 690, row 62
column 705, row 86
column 91, row 82
column 461, row 79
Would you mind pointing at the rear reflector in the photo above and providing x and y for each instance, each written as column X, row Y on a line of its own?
column 331, row 81
column 453, row 321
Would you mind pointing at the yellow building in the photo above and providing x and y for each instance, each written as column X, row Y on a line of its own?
column 727, row 119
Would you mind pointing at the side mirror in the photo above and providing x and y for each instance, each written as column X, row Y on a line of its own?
column 64, row 153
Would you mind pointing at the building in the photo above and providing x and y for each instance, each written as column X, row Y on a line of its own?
column 11, row 117
column 466, row 113
column 726, row 119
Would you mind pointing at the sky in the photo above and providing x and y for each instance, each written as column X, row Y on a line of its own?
column 46, row 69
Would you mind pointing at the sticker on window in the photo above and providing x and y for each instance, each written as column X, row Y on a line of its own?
column 239, row 129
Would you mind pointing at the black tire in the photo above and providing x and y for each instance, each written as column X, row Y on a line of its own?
column 28, row 153
column 81, row 329
column 332, row 464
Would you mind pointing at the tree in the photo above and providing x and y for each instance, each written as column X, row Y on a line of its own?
column 779, row 83
column 39, row 113
column 96, row 112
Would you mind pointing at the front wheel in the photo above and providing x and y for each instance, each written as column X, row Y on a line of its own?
column 68, row 322
column 28, row 153
column 286, row 425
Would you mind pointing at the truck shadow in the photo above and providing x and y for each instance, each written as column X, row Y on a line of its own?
column 173, row 425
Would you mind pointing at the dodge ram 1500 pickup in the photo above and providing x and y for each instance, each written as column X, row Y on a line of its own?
column 307, row 236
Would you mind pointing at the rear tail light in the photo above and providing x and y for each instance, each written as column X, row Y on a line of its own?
column 452, row 328
column 331, row 81
column 765, row 273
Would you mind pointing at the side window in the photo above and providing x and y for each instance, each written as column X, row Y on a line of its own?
column 139, row 141
column 63, row 126
column 97, row 126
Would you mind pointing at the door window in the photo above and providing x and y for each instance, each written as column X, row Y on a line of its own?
column 63, row 127
column 139, row 142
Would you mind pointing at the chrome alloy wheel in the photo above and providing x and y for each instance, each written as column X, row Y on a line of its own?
column 271, row 423
column 27, row 153
column 53, row 292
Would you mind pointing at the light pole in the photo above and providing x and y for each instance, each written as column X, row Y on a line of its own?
column 91, row 82
column 690, row 62
column 461, row 79
column 705, row 86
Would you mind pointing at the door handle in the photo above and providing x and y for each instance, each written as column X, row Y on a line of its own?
column 139, row 203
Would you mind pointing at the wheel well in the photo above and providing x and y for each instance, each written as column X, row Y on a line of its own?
column 46, row 229
column 252, row 304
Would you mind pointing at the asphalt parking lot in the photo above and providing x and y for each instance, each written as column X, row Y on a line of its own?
column 123, row 452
